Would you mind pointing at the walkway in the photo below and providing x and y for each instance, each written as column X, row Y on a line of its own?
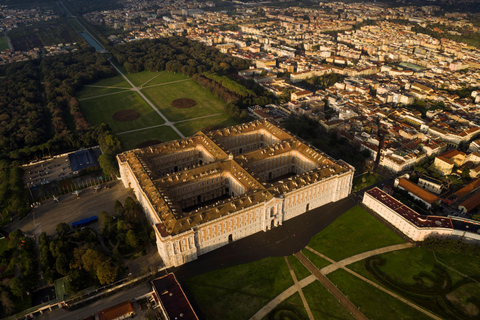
column 137, row 89
column 321, row 276
column 299, row 289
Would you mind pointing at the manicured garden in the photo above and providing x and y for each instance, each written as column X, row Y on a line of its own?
column 101, row 110
column 239, row 292
column 191, row 127
column 162, row 97
column 292, row 308
column 156, row 135
column 322, row 304
column 104, row 86
column 373, row 302
column 354, row 232
column 444, row 283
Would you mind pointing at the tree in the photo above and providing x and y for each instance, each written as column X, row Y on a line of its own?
column 131, row 239
column 17, row 287
column 62, row 265
column 105, row 219
column 7, row 302
column 118, row 208
column 92, row 259
column 108, row 164
column 106, row 272
column 62, row 228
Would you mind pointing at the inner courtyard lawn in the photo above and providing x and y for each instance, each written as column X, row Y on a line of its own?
column 189, row 128
column 135, row 139
column 354, row 232
column 101, row 110
column 162, row 97
column 239, row 292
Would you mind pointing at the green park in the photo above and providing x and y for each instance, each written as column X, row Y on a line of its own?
column 115, row 102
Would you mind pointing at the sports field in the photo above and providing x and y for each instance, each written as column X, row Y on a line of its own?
column 163, row 95
column 102, row 109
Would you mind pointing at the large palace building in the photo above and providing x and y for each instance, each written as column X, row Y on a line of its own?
column 203, row 192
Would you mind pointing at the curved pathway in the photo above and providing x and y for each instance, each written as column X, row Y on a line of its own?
column 321, row 276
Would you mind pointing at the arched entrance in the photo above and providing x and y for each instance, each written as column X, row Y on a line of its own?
column 230, row 238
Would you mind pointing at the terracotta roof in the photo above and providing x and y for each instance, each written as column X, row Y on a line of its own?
column 419, row 192
column 445, row 160
column 115, row 311
column 452, row 153
column 472, row 186
column 471, row 203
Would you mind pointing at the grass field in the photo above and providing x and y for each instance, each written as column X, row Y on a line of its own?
column 318, row 261
column 374, row 303
column 300, row 270
column 132, row 140
column 405, row 267
column 100, row 110
column 239, row 292
column 162, row 97
column 164, row 77
column 109, row 85
column 355, row 231
column 3, row 44
column 291, row 308
column 322, row 304
column 191, row 127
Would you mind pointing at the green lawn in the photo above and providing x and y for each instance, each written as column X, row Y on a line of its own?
column 300, row 270
column 109, row 85
column 164, row 77
column 410, row 266
column 162, row 97
column 191, row 127
column 354, row 232
column 134, row 139
column 318, row 261
column 139, row 78
column 366, row 180
column 291, row 308
column 322, row 304
column 101, row 110
column 239, row 292
column 3, row 43
column 374, row 303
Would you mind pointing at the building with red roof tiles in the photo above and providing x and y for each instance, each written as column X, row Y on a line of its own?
column 117, row 312
column 417, row 192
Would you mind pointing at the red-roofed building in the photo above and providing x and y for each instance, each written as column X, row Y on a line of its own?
column 470, row 204
column 443, row 165
column 172, row 300
column 418, row 193
column 415, row 226
column 120, row 311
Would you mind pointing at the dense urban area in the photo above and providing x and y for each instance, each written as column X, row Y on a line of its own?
column 145, row 144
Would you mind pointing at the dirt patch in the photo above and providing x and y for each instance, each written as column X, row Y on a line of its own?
column 183, row 103
column 148, row 143
column 211, row 128
column 126, row 115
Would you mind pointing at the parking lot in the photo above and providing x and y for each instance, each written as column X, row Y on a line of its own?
column 71, row 208
column 44, row 172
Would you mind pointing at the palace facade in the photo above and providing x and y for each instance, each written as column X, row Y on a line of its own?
column 205, row 191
